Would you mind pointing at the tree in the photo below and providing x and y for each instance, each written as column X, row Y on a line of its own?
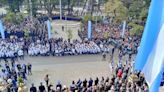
column 143, row 14
column 70, row 4
column 138, row 9
column 14, row 5
column 136, row 29
column 32, row 7
column 49, row 5
column 14, row 18
column 134, row 11
column 116, row 9
column 127, row 3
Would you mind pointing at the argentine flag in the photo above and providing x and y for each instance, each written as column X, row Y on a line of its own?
column 49, row 29
column 2, row 30
column 150, row 58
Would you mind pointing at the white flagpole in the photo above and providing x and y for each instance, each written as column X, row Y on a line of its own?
column 60, row 11
column 30, row 3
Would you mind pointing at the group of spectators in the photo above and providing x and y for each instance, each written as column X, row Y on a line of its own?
column 11, row 49
column 19, row 47
column 29, row 27
column 112, row 33
column 123, row 80
column 13, row 75
column 30, row 38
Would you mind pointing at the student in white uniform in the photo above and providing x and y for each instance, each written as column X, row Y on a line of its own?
column 56, row 52
column 73, row 51
column 20, row 54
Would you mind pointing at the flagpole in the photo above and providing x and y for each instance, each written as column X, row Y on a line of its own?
column 60, row 11
column 30, row 3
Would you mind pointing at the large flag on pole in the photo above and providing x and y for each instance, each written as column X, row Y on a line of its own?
column 2, row 30
column 89, row 29
column 150, row 58
column 49, row 29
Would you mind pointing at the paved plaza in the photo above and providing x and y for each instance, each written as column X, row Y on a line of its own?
column 58, row 32
column 68, row 68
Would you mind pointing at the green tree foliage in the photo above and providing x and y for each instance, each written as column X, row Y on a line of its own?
column 13, row 5
column 133, row 11
column 136, row 29
column 143, row 14
column 14, row 18
column 88, row 17
column 116, row 9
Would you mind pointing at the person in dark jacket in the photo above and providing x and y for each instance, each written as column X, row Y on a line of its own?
column 33, row 88
column 42, row 88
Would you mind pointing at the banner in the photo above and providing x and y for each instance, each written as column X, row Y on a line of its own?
column 2, row 30
column 123, row 29
column 89, row 30
column 49, row 29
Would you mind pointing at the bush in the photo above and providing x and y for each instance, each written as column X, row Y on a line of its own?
column 86, row 18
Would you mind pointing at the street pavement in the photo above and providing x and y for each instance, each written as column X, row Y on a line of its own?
column 68, row 68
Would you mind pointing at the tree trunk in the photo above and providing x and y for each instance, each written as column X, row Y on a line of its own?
column 68, row 8
column 84, row 6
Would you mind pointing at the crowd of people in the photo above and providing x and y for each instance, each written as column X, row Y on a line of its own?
column 122, row 80
column 13, row 74
column 19, row 47
column 30, row 38
column 112, row 33
column 29, row 27
column 34, row 41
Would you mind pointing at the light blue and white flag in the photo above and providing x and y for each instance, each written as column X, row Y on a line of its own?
column 49, row 29
column 123, row 29
column 89, row 30
column 2, row 30
column 150, row 58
